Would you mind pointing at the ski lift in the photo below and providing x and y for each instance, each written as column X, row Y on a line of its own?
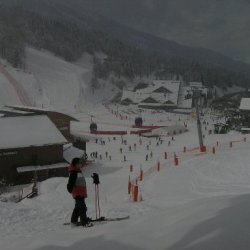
column 138, row 121
column 93, row 126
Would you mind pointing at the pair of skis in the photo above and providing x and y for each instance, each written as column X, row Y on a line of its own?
column 110, row 219
column 102, row 219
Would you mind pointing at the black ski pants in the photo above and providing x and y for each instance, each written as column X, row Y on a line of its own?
column 80, row 210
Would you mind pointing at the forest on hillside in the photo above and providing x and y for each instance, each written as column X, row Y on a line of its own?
column 20, row 28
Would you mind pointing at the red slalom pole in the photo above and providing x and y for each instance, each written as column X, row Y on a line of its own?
column 165, row 155
column 136, row 192
column 131, row 168
column 158, row 166
column 213, row 150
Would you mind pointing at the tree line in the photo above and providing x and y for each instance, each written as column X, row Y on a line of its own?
column 20, row 28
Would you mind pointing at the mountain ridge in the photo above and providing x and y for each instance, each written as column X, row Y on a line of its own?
column 77, row 12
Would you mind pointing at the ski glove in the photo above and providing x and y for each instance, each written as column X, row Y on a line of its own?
column 95, row 177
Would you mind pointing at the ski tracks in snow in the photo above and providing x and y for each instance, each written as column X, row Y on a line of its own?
column 20, row 91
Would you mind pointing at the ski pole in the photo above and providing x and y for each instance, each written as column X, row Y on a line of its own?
column 98, row 202
column 96, row 181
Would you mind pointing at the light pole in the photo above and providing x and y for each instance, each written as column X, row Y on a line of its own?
column 197, row 94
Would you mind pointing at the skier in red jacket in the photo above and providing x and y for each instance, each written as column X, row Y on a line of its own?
column 77, row 187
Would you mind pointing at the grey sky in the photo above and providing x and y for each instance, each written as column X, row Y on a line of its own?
column 221, row 25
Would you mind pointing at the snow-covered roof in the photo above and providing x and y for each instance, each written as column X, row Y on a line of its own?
column 162, row 89
column 29, row 108
column 245, row 129
column 25, row 131
column 149, row 100
column 40, row 168
column 245, row 104
column 128, row 94
column 196, row 84
column 11, row 110
column 72, row 152
column 164, row 92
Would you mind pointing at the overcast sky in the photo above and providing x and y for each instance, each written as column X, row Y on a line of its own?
column 222, row 25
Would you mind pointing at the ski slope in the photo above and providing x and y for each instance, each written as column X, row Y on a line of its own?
column 201, row 204
column 50, row 82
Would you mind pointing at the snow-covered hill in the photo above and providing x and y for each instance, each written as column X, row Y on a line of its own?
column 51, row 82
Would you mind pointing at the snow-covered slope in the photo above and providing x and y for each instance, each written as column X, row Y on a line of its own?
column 50, row 82
column 61, row 84
column 201, row 204
column 7, row 94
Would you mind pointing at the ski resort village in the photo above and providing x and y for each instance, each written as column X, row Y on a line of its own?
column 114, row 138
column 162, row 94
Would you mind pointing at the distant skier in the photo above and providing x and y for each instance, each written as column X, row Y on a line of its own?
column 77, row 187
column 106, row 154
column 147, row 147
column 140, row 141
column 146, row 159
column 151, row 154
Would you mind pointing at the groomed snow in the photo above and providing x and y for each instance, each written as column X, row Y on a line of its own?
column 202, row 204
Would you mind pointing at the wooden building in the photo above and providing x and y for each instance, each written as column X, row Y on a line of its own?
column 30, row 141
